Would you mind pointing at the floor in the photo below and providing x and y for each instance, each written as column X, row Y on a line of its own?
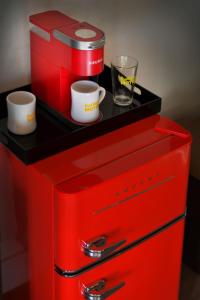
column 190, row 285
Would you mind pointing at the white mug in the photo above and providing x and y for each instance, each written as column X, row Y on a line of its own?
column 86, row 97
column 21, row 112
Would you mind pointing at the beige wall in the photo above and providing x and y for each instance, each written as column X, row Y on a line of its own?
column 163, row 35
column 14, row 40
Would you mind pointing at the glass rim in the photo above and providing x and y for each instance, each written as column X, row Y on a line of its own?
column 131, row 58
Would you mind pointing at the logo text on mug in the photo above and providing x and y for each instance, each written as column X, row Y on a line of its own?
column 91, row 106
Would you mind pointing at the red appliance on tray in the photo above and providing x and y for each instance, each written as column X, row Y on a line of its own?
column 104, row 219
column 63, row 50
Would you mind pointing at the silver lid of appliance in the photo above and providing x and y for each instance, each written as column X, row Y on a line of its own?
column 82, row 36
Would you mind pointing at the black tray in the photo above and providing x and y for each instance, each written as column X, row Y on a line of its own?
column 55, row 133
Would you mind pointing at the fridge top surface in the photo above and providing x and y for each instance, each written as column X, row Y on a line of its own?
column 117, row 145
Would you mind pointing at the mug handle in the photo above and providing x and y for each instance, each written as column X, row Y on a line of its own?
column 102, row 93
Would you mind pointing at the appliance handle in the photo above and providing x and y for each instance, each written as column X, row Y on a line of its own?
column 94, row 248
column 93, row 292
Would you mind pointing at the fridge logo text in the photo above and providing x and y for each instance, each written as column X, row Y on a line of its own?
column 137, row 192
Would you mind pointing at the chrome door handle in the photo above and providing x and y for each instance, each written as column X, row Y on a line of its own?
column 93, row 292
column 95, row 248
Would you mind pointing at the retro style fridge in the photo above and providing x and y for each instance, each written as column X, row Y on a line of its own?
column 103, row 219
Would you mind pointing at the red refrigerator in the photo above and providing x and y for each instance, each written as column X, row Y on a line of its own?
column 103, row 219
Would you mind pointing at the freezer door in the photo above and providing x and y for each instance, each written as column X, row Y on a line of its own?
column 150, row 271
column 106, row 209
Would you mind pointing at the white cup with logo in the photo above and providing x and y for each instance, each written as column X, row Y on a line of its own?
column 21, row 112
column 86, row 98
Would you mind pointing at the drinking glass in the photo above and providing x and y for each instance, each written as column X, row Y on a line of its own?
column 123, row 71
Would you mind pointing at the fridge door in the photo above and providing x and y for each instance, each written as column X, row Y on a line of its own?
column 150, row 271
column 106, row 209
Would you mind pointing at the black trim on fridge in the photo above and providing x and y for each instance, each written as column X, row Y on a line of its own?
column 119, row 252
